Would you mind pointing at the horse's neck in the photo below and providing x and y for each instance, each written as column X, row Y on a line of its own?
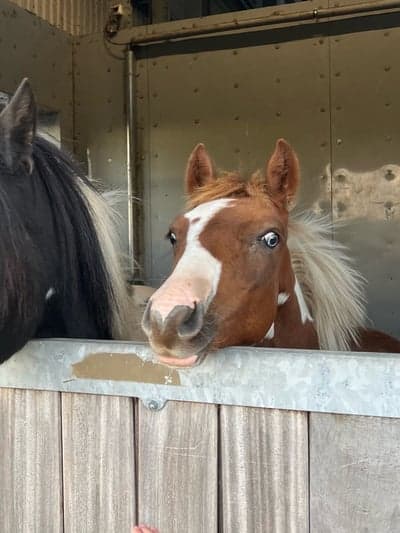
column 293, row 326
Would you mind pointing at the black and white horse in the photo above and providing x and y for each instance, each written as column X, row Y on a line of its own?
column 60, row 273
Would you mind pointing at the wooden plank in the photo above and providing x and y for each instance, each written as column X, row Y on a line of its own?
column 177, row 464
column 30, row 462
column 98, row 458
column 354, row 474
column 264, row 465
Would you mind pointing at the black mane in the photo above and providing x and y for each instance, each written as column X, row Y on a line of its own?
column 49, row 242
column 83, row 270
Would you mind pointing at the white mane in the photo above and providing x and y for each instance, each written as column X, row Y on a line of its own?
column 105, row 218
column 332, row 288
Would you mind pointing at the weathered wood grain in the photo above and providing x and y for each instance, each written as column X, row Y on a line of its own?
column 98, row 459
column 177, row 462
column 354, row 474
column 264, row 466
column 30, row 462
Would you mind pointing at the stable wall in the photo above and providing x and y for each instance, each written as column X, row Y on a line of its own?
column 30, row 47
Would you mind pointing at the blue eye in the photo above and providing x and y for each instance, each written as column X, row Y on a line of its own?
column 271, row 239
column 172, row 237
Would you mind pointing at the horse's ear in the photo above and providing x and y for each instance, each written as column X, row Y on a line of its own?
column 18, row 128
column 199, row 170
column 283, row 173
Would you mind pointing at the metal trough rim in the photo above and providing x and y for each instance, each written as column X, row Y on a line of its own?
column 318, row 381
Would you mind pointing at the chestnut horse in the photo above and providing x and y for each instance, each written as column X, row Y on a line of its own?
column 246, row 273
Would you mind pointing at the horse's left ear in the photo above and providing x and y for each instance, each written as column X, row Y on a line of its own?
column 18, row 128
column 283, row 173
column 199, row 169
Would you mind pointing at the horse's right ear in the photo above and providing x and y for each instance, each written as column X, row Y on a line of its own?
column 18, row 128
column 199, row 170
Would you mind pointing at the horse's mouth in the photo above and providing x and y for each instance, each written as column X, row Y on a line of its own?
column 184, row 362
column 179, row 357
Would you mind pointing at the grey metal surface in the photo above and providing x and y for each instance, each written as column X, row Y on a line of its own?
column 32, row 48
column 348, row 383
column 77, row 17
column 100, row 120
column 365, row 162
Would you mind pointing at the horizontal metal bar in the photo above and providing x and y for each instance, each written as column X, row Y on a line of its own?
column 146, row 35
column 346, row 383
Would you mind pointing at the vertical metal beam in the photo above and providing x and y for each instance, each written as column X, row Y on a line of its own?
column 134, row 189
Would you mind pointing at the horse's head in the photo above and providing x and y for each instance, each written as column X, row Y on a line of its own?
column 231, row 262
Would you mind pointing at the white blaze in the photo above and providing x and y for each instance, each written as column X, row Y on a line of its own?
column 197, row 273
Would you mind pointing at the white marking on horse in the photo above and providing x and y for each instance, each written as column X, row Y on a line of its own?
column 283, row 297
column 271, row 332
column 305, row 313
column 51, row 292
column 196, row 264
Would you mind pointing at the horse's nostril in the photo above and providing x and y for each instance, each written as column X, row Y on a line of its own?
column 192, row 325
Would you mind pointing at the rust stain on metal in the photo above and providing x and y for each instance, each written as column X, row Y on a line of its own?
column 124, row 367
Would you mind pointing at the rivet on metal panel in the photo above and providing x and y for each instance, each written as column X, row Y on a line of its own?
column 237, row 150
column 323, row 144
column 155, row 95
column 155, row 125
column 337, row 74
column 278, row 114
column 196, row 90
column 235, row 85
column 388, row 138
column 315, row 13
column 154, row 405
column 322, row 109
column 321, row 41
column 154, row 63
column 386, row 33
column 338, row 108
column 277, row 47
column 386, row 68
column 339, row 141
column 195, row 58
column 277, row 80
column 196, row 121
column 387, row 104
column 322, row 76
column 235, row 52
column 340, row 206
column 389, row 175
column 155, row 156
column 340, row 178
column 237, row 117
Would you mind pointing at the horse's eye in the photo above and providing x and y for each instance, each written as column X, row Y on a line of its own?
column 172, row 237
column 271, row 239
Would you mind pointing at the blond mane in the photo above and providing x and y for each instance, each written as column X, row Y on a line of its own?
column 332, row 287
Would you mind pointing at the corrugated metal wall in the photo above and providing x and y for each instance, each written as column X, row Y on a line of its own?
column 77, row 17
